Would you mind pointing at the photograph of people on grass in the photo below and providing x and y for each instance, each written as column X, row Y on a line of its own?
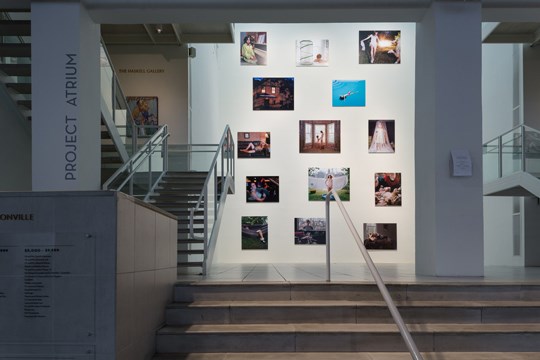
column 322, row 180
column 254, row 232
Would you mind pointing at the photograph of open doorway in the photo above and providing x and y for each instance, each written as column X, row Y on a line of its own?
column 320, row 136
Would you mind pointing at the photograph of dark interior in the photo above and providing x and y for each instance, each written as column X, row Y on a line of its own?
column 273, row 93
column 380, row 236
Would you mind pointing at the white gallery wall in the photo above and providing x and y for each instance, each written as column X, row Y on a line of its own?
column 157, row 71
column 389, row 96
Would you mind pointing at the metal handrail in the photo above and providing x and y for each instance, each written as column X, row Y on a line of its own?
column 158, row 140
column 520, row 131
column 225, row 149
column 405, row 334
column 118, row 94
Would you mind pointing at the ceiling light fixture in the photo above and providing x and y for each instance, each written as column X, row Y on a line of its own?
column 159, row 28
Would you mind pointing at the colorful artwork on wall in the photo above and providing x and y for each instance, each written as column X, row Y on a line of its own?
column 144, row 110
column 312, row 53
column 253, row 48
column 309, row 231
column 273, row 93
column 253, row 145
column 380, row 236
column 379, row 47
column 381, row 138
column 348, row 93
column 254, row 232
column 321, row 179
column 262, row 189
column 387, row 189
column 320, row 136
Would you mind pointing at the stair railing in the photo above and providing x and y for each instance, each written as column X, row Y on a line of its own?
column 219, row 182
column 143, row 171
column 117, row 115
column 515, row 150
column 405, row 334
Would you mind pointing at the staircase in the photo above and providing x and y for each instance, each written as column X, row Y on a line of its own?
column 177, row 193
column 349, row 321
column 110, row 157
column 15, row 54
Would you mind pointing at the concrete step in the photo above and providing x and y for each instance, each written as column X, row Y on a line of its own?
column 249, row 291
column 364, row 312
column 346, row 338
column 352, row 356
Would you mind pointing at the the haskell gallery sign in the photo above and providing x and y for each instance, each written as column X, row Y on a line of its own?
column 140, row 71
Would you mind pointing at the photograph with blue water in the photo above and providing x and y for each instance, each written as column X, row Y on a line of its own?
column 348, row 93
column 322, row 180
column 254, row 232
column 262, row 189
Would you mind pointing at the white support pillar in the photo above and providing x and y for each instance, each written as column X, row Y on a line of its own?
column 449, row 212
column 65, row 97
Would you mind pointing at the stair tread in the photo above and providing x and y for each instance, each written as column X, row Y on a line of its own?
column 360, row 355
column 347, row 328
column 16, row 69
column 338, row 303
column 190, row 264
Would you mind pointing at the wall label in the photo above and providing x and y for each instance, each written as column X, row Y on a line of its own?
column 16, row 217
column 70, row 138
column 141, row 71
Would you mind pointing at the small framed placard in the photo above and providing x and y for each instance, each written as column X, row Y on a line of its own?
column 461, row 163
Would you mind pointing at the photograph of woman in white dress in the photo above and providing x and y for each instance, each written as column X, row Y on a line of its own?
column 381, row 136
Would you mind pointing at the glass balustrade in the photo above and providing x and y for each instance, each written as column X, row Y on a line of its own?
column 514, row 151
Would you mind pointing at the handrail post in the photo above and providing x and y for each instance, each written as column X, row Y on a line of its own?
column 327, row 203
column 523, row 159
column 149, row 168
column 500, row 156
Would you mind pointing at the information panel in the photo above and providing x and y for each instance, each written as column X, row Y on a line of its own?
column 47, row 288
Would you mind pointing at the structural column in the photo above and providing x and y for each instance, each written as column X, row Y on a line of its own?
column 449, row 212
column 65, row 97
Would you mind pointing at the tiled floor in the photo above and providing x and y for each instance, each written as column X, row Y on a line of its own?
column 391, row 273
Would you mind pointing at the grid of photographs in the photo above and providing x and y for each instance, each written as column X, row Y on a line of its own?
column 319, row 136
